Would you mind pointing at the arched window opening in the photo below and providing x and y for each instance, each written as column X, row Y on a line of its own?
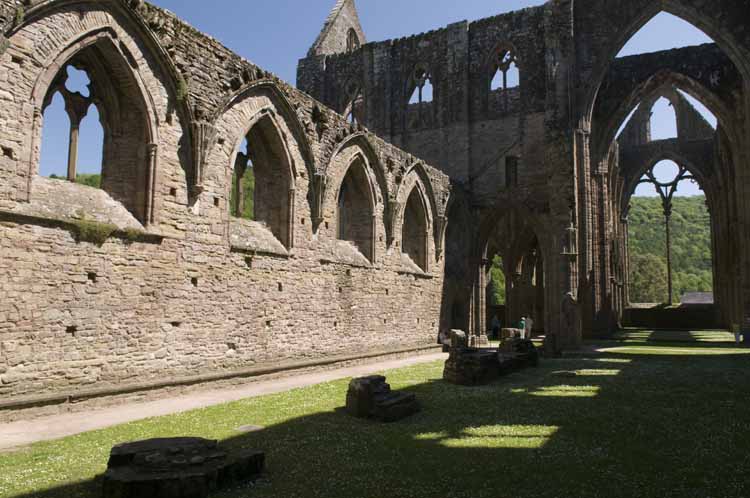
column 107, row 138
column 670, row 238
column 504, row 70
column 242, row 198
column 354, row 209
column 650, row 38
column 355, row 109
column 352, row 41
column 702, row 109
column 89, row 168
column 663, row 123
column 55, row 140
column 414, row 231
column 422, row 87
column 261, row 180
column 73, row 138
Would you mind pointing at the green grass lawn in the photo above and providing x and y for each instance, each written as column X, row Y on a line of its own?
column 641, row 419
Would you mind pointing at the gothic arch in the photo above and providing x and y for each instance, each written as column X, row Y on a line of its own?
column 355, row 206
column 416, row 177
column 130, row 170
column 503, row 48
column 281, row 106
column 643, row 91
column 274, row 172
column 636, row 14
column 378, row 180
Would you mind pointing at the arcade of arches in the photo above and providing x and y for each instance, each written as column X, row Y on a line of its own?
column 243, row 222
column 547, row 198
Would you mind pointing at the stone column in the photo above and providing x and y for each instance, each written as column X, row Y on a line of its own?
column 77, row 106
column 240, row 168
column 291, row 218
column 152, row 150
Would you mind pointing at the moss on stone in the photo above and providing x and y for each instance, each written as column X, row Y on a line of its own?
column 4, row 44
column 93, row 231
column 182, row 88
column 20, row 15
column 132, row 234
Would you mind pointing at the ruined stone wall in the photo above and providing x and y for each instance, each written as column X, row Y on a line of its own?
column 558, row 127
column 92, row 295
column 495, row 144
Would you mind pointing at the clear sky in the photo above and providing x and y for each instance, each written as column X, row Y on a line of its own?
column 276, row 33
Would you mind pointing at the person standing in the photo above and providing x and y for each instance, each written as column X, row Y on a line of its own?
column 495, row 325
column 529, row 329
column 737, row 333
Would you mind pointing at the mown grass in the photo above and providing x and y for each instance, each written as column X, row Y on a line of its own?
column 623, row 423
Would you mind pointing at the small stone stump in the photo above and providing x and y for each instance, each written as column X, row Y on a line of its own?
column 371, row 397
column 176, row 468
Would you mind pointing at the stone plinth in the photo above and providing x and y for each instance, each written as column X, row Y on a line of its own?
column 371, row 397
column 471, row 367
column 511, row 333
column 176, row 468
column 515, row 354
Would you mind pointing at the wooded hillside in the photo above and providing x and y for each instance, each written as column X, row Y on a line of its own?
column 691, row 248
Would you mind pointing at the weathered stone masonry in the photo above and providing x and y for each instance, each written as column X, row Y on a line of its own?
column 151, row 278
column 539, row 176
column 357, row 246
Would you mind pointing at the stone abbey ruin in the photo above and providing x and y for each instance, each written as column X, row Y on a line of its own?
column 384, row 185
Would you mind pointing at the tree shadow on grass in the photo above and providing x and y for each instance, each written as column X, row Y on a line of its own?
column 614, row 425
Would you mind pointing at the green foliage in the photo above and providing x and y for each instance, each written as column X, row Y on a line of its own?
column 182, row 88
column 20, row 15
column 248, row 187
column 4, row 44
column 648, row 278
column 497, row 281
column 90, row 180
column 94, row 231
column 691, row 248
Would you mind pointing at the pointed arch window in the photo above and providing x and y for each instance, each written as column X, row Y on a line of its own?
column 352, row 41
column 421, row 88
column 74, row 131
column 355, row 108
column 414, row 230
column 354, row 216
column 262, row 184
column 95, row 80
column 504, row 70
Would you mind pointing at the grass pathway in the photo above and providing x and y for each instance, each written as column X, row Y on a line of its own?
column 623, row 423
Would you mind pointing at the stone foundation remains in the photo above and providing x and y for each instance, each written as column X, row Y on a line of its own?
column 176, row 468
column 371, row 397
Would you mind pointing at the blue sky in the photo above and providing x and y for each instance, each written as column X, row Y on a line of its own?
column 275, row 33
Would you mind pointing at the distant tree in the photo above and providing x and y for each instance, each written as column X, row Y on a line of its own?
column 248, row 186
column 497, row 281
column 89, row 179
column 92, row 180
column 648, row 278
